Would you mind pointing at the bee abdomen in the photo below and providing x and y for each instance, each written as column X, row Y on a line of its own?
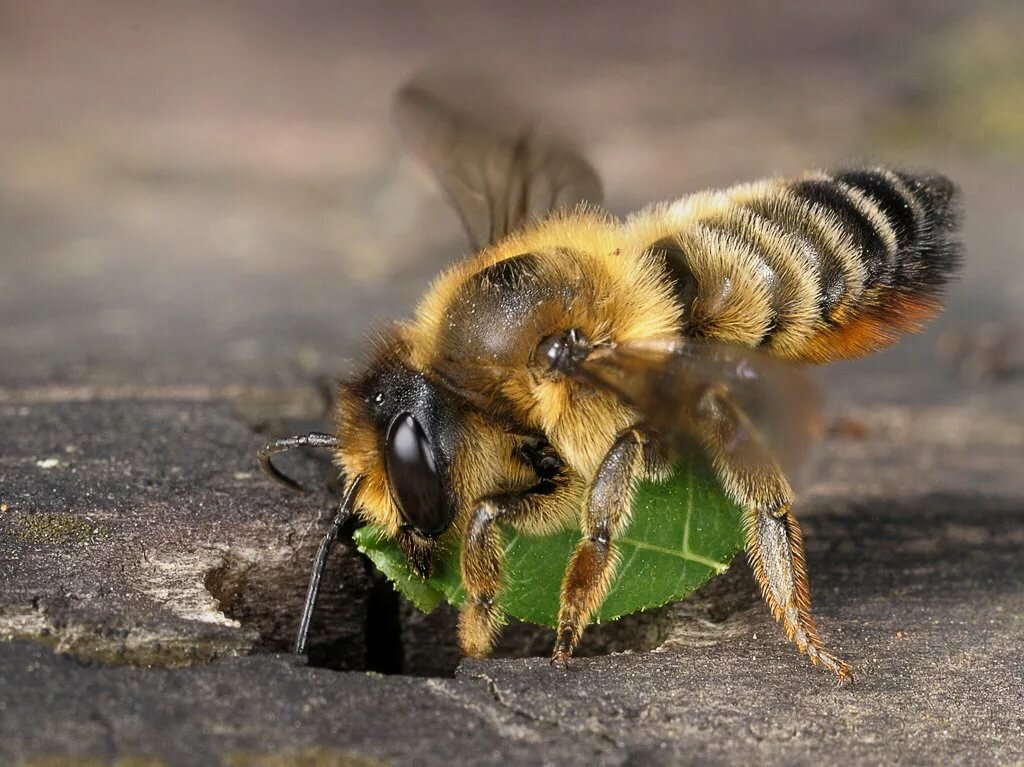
column 901, row 227
column 829, row 266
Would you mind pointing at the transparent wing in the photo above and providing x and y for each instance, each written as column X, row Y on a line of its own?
column 496, row 176
column 667, row 381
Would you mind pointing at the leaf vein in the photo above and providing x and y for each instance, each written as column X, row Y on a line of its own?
column 688, row 555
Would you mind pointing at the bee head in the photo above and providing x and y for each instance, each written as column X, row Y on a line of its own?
column 399, row 431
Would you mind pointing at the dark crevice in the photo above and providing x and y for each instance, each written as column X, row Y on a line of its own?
column 363, row 623
column 384, row 651
column 266, row 596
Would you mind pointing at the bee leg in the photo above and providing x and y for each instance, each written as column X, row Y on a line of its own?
column 752, row 476
column 607, row 513
column 483, row 553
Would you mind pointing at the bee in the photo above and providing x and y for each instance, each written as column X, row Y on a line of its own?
column 573, row 355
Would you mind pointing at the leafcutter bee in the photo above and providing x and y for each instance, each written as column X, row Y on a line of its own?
column 572, row 354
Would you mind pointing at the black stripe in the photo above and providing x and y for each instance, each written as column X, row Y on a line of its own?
column 814, row 247
column 676, row 267
column 832, row 197
column 889, row 199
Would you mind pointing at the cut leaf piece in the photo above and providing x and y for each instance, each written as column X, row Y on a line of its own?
column 684, row 531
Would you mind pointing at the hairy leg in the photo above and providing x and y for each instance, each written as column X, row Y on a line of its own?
column 752, row 476
column 606, row 515
column 483, row 553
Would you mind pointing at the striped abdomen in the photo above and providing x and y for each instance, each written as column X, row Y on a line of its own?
column 830, row 266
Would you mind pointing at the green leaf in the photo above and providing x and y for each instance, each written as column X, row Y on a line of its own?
column 684, row 531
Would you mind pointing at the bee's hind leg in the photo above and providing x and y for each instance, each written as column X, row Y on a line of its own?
column 752, row 476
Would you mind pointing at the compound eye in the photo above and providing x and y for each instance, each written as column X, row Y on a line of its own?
column 414, row 477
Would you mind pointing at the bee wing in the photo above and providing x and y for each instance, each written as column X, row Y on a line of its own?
column 496, row 178
column 666, row 379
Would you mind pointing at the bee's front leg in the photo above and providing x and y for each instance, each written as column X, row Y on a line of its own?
column 483, row 553
column 752, row 476
column 607, row 513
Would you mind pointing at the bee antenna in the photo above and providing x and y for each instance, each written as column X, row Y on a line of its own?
column 314, row 439
column 320, row 562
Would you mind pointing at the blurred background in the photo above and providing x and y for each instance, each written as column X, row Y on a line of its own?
column 212, row 194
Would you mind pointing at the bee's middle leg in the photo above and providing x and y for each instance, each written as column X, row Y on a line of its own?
column 606, row 515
